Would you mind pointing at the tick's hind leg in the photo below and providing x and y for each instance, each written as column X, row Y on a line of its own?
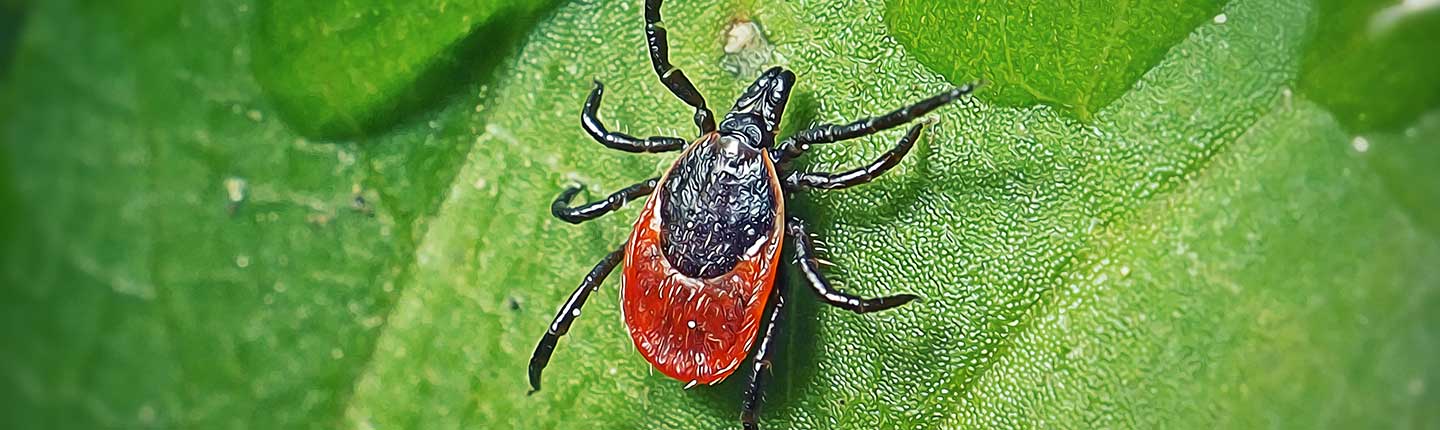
column 672, row 77
column 764, row 356
column 590, row 120
column 850, row 178
column 805, row 253
column 795, row 145
column 561, row 206
column 568, row 312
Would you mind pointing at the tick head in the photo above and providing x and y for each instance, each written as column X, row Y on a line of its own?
column 762, row 105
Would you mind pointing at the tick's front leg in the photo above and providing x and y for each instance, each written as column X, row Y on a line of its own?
column 671, row 76
column 795, row 145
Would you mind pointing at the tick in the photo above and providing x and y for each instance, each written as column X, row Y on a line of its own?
column 701, row 263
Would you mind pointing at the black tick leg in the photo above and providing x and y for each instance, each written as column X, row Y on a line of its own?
column 760, row 372
column 850, row 178
column 568, row 312
column 672, row 77
column 805, row 253
column 795, row 145
column 578, row 214
column 621, row 141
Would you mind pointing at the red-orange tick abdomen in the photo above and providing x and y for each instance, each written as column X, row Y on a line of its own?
column 696, row 330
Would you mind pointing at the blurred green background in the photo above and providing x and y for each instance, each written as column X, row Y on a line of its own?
column 333, row 213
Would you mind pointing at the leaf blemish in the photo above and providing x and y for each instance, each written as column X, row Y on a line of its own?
column 746, row 48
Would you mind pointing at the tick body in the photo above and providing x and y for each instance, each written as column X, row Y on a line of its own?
column 702, row 261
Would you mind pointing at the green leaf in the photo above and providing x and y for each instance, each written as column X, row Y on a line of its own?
column 1211, row 248
column 12, row 18
column 344, row 67
column 187, row 260
column 1282, row 279
column 1372, row 62
column 1404, row 161
column 1078, row 56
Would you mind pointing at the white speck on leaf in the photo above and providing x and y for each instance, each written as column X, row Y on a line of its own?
column 235, row 189
column 746, row 49
column 1360, row 143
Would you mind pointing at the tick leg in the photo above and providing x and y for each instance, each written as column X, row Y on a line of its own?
column 805, row 253
column 624, row 142
column 568, row 312
column 672, row 77
column 795, row 145
column 850, row 178
column 760, row 372
column 578, row 214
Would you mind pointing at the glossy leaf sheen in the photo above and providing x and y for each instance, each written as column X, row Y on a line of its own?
column 1078, row 56
column 1372, row 62
column 1210, row 249
column 342, row 67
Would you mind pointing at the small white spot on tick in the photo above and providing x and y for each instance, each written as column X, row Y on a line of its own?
column 1221, row 18
column 690, row 323
column 1360, row 143
column 575, row 313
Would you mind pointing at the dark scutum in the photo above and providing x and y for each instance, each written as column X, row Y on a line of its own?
column 716, row 204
